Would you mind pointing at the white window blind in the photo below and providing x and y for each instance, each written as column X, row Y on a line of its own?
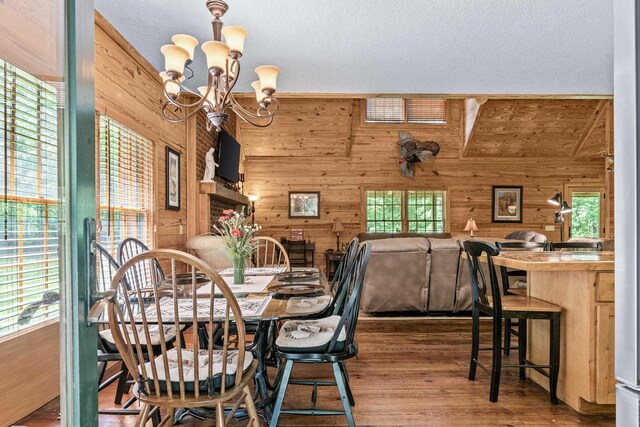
column 29, row 270
column 385, row 110
column 406, row 110
column 126, row 185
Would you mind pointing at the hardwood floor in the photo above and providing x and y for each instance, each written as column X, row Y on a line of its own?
column 411, row 372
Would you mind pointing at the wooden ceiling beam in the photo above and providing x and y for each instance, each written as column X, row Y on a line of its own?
column 598, row 113
column 282, row 95
column 472, row 109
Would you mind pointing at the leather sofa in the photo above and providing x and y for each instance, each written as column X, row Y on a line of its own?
column 416, row 274
column 378, row 236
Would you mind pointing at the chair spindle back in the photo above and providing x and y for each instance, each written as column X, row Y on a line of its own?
column 270, row 253
column 479, row 281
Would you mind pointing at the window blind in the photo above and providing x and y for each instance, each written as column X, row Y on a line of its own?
column 126, row 185
column 29, row 268
column 406, row 110
column 387, row 110
column 422, row 110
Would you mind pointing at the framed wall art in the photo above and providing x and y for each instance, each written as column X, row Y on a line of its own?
column 506, row 204
column 304, row 204
column 173, row 180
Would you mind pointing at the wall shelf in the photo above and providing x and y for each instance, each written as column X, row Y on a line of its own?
column 221, row 192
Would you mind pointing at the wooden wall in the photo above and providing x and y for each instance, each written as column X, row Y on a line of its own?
column 325, row 145
column 129, row 90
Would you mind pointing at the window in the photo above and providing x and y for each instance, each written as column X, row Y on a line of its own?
column 126, row 185
column 29, row 269
column 585, row 217
column 406, row 110
column 415, row 211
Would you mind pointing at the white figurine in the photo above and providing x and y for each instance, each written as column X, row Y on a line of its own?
column 210, row 170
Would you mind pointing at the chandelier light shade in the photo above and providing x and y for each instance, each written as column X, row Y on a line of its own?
column 258, row 88
column 223, row 69
column 186, row 42
column 174, row 59
column 268, row 75
column 172, row 87
column 234, row 36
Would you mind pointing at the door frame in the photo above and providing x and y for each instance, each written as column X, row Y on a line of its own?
column 78, row 351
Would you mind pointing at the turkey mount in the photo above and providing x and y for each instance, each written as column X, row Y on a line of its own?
column 413, row 151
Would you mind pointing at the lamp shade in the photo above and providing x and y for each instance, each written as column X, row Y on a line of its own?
column 174, row 57
column 173, row 88
column 203, row 91
column 186, row 42
column 253, row 198
column 337, row 226
column 268, row 75
column 217, row 53
column 471, row 225
column 565, row 208
column 555, row 200
column 259, row 95
column 234, row 36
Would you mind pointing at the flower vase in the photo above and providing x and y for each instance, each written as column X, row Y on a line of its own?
column 238, row 270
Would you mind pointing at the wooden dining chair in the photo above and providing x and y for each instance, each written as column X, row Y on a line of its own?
column 510, row 328
column 188, row 375
column 500, row 307
column 141, row 276
column 318, row 341
column 270, row 253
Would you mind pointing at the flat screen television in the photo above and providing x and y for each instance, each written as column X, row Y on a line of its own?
column 228, row 157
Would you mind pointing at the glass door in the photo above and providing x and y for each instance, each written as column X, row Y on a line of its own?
column 47, row 178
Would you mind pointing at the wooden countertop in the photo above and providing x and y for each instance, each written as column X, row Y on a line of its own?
column 555, row 261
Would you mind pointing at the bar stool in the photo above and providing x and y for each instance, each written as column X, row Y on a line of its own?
column 506, row 274
column 507, row 307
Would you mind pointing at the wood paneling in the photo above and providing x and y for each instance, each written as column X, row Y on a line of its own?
column 373, row 163
column 521, row 128
column 303, row 127
column 593, row 140
column 129, row 90
column 30, row 366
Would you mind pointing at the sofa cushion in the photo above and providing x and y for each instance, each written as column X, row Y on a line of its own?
column 527, row 236
column 397, row 276
column 443, row 277
column 310, row 336
column 377, row 236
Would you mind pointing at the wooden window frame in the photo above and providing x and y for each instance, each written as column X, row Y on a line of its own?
column 405, row 223
column 405, row 125
column 571, row 188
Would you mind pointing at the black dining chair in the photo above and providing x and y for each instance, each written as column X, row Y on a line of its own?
column 511, row 329
column 581, row 246
column 500, row 307
column 326, row 340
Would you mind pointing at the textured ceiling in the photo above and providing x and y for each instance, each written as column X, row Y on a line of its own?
column 409, row 46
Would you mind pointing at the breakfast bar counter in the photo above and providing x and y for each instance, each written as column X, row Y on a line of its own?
column 582, row 283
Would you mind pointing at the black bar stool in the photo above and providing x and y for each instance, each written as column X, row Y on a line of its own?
column 512, row 307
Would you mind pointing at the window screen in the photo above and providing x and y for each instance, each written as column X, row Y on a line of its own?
column 409, row 110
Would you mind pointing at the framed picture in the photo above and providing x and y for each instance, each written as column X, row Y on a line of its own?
column 304, row 204
column 173, row 180
column 506, row 204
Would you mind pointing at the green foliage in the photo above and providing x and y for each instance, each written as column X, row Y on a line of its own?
column 585, row 217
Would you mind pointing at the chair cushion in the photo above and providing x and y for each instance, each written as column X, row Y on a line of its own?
column 188, row 369
column 154, row 334
column 310, row 336
column 302, row 305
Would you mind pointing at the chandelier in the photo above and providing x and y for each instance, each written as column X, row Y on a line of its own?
column 223, row 63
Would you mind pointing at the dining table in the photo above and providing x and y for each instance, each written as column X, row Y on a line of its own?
column 263, row 303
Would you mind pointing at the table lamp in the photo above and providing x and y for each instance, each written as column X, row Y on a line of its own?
column 471, row 226
column 337, row 228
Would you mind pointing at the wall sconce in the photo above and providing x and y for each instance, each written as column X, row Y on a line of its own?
column 253, row 199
